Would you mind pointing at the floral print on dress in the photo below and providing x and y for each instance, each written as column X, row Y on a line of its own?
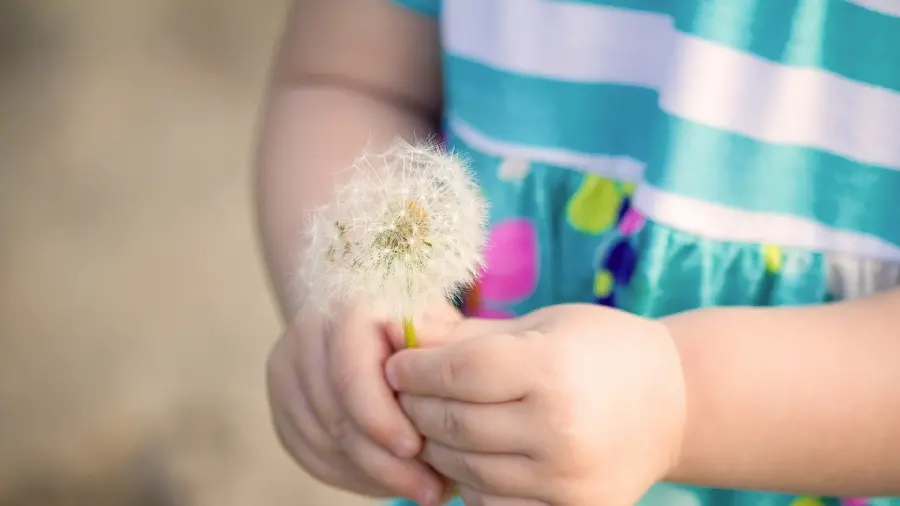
column 511, row 270
column 596, row 206
column 616, row 257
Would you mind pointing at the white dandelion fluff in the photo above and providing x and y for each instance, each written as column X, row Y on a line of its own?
column 406, row 230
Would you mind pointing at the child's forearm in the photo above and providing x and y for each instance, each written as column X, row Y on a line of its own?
column 311, row 134
column 340, row 85
column 803, row 400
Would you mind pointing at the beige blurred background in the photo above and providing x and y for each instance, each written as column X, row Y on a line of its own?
column 134, row 316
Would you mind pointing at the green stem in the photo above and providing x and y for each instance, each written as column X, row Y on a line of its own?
column 409, row 334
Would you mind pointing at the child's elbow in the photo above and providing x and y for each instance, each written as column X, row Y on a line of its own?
column 373, row 47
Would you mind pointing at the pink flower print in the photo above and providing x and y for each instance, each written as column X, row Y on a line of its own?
column 511, row 269
column 618, row 256
column 631, row 223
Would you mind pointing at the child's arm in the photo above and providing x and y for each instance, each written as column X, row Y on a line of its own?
column 803, row 400
column 351, row 74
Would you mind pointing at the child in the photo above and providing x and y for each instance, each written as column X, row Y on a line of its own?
column 663, row 158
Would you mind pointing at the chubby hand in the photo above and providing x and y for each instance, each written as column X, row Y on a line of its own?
column 570, row 405
column 334, row 412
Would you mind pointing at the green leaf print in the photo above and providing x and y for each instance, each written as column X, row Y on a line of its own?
column 594, row 208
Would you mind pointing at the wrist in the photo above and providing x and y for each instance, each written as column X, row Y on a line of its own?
column 675, row 330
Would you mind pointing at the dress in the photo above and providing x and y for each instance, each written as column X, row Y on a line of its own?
column 660, row 156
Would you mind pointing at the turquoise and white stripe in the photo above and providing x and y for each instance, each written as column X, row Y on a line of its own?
column 762, row 136
column 718, row 105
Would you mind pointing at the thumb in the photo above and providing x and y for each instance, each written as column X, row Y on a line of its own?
column 484, row 348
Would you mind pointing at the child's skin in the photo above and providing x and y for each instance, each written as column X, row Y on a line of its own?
column 340, row 84
column 580, row 404
column 607, row 403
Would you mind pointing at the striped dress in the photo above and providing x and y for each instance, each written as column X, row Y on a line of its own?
column 665, row 155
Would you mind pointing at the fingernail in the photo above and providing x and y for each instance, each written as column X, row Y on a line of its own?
column 404, row 448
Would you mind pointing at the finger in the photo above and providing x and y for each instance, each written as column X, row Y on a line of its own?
column 288, row 400
column 372, row 461
column 485, row 428
column 317, row 467
column 472, row 497
column 357, row 352
column 309, row 364
column 315, row 387
column 300, row 433
column 499, row 474
column 405, row 477
column 486, row 369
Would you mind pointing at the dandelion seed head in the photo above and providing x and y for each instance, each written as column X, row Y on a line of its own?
column 406, row 230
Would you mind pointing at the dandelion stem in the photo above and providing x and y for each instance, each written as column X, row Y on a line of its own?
column 409, row 334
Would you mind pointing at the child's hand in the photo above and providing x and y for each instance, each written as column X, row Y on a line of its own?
column 570, row 405
column 335, row 414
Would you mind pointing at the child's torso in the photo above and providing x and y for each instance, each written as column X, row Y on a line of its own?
column 662, row 155
column 733, row 121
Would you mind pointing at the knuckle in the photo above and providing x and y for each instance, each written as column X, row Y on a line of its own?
column 274, row 389
column 561, row 366
column 452, row 371
column 393, row 479
column 342, row 383
column 569, row 492
column 393, row 475
column 276, row 364
column 471, row 472
column 571, row 457
column 281, row 382
column 490, row 350
column 376, row 429
column 317, row 466
column 272, row 360
column 501, row 344
column 386, row 478
column 503, row 349
column 569, row 452
column 359, row 412
column 451, row 424
column 470, row 497
column 567, row 456
column 340, row 432
column 324, row 473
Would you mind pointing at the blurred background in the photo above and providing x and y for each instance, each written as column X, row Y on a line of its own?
column 134, row 315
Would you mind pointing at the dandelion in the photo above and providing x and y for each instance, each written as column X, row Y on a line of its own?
column 404, row 232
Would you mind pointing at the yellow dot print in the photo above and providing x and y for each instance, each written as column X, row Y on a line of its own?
column 807, row 501
column 772, row 258
column 594, row 208
column 603, row 283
